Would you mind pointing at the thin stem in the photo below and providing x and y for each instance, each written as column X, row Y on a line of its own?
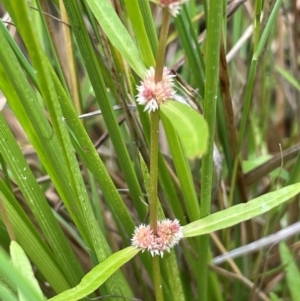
column 258, row 8
column 153, row 169
column 160, row 58
column 214, row 25
column 154, row 118
column 155, row 122
column 157, row 279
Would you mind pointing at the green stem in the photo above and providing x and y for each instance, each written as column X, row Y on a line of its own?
column 154, row 118
column 258, row 8
column 157, row 279
column 160, row 57
column 214, row 25
column 153, row 169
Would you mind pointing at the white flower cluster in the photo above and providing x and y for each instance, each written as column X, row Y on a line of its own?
column 168, row 235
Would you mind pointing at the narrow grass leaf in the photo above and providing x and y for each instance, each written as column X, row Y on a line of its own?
column 291, row 270
column 84, row 217
column 146, row 11
column 26, row 107
column 103, row 101
column 29, row 238
column 117, row 34
column 170, row 270
column 6, row 294
column 242, row 212
column 18, row 279
column 269, row 26
column 194, row 65
column 189, row 125
column 98, row 275
column 288, row 77
column 22, row 264
column 183, row 171
column 138, row 24
column 274, row 297
column 34, row 196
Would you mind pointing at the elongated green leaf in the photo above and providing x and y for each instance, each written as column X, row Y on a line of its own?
column 17, row 278
column 20, row 14
column 91, row 232
column 90, row 156
column 292, row 271
column 242, row 212
column 81, row 209
column 99, row 274
column 6, row 294
column 108, row 114
column 138, row 24
column 22, row 264
column 194, row 63
column 28, row 237
column 274, row 297
column 190, row 126
column 117, row 34
column 29, row 113
column 252, row 70
column 92, row 160
column 288, row 77
column 149, row 24
column 269, row 25
column 183, row 171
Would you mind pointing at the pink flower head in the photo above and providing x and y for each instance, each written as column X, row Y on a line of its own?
column 174, row 6
column 168, row 235
column 152, row 93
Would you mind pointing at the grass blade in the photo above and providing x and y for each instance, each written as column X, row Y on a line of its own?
column 292, row 271
column 92, row 280
column 241, row 212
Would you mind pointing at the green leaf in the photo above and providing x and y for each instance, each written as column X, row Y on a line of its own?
column 98, row 275
column 288, row 77
column 183, row 172
column 242, row 212
column 25, row 104
column 29, row 238
column 249, row 165
column 189, row 125
column 194, row 58
column 6, row 294
column 274, row 297
column 100, row 89
column 17, row 279
column 292, row 271
column 138, row 24
column 22, row 264
column 117, row 34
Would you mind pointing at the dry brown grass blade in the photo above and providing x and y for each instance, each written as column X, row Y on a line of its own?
column 230, row 122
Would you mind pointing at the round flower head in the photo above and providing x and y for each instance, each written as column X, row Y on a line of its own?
column 151, row 93
column 173, row 6
column 168, row 235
